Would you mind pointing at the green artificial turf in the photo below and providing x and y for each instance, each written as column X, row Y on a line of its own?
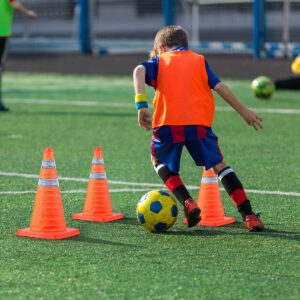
column 120, row 260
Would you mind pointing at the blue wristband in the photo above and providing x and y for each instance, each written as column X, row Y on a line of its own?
column 142, row 104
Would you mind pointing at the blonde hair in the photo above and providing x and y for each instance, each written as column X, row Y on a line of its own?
column 169, row 36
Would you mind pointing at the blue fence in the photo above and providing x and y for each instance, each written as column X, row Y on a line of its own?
column 109, row 27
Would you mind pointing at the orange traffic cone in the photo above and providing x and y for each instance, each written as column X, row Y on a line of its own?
column 209, row 200
column 48, row 220
column 97, row 206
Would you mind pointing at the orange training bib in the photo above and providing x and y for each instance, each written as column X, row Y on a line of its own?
column 183, row 95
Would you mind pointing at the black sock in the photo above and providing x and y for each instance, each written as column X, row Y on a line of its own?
column 173, row 182
column 236, row 191
column 245, row 209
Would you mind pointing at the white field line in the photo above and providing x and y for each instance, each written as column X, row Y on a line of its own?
column 285, row 111
column 275, row 193
column 70, row 103
column 81, row 191
column 80, row 179
column 16, row 192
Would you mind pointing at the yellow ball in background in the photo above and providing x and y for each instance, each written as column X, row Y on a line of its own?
column 296, row 66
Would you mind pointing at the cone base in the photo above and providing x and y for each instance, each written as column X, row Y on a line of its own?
column 214, row 223
column 102, row 219
column 69, row 232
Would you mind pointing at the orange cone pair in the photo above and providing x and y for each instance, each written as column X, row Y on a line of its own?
column 209, row 200
column 97, row 206
column 48, row 220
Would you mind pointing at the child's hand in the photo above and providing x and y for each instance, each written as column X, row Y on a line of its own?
column 252, row 119
column 144, row 118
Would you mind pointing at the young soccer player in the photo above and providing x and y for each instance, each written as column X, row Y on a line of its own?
column 7, row 8
column 183, row 116
column 293, row 82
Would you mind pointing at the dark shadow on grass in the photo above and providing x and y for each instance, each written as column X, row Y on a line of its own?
column 196, row 232
column 286, row 235
column 127, row 221
column 76, row 113
column 213, row 231
column 89, row 240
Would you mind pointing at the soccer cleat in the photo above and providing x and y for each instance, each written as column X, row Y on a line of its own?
column 253, row 223
column 192, row 212
column 3, row 108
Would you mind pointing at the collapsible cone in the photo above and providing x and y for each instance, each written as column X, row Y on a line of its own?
column 97, row 206
column 209, row 200
column 48, row 220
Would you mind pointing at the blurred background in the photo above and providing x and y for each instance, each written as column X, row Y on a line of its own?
column 117, row 32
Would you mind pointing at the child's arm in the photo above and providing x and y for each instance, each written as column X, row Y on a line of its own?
column 144, row 116
column 251, row 118
column 23, row 10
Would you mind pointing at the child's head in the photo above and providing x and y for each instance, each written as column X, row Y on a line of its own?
column 170, row 36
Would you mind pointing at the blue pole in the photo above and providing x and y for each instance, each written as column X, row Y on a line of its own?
column 259, row 26
column 84, row 27
column 169, row 12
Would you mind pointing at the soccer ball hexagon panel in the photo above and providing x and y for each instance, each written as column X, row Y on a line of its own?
column 157, row 211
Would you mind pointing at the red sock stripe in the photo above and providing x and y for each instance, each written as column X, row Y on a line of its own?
column 238, row 196
column 173, row 182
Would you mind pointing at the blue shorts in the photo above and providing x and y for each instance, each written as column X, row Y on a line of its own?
column 204, row 151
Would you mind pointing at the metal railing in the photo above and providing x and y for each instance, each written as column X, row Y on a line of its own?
column 121, row 25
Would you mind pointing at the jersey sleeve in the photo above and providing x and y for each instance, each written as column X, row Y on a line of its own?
column 151, row 71
column 213, row 79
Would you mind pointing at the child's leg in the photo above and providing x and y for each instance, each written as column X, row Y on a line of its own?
column 175, row 185
column 291, row 83
column 0, row 85
column 237, row 193
column 3, row 51
column 172, row 180
column 234, row 188
column 206, row 151
column 1, row 66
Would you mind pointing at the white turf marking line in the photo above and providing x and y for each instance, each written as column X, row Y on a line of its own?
column 33, row 176
column 17, row 192
column 15, row 136
column 284, row 111
column 110, row 190
column 70, row 103
column 73, row 191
